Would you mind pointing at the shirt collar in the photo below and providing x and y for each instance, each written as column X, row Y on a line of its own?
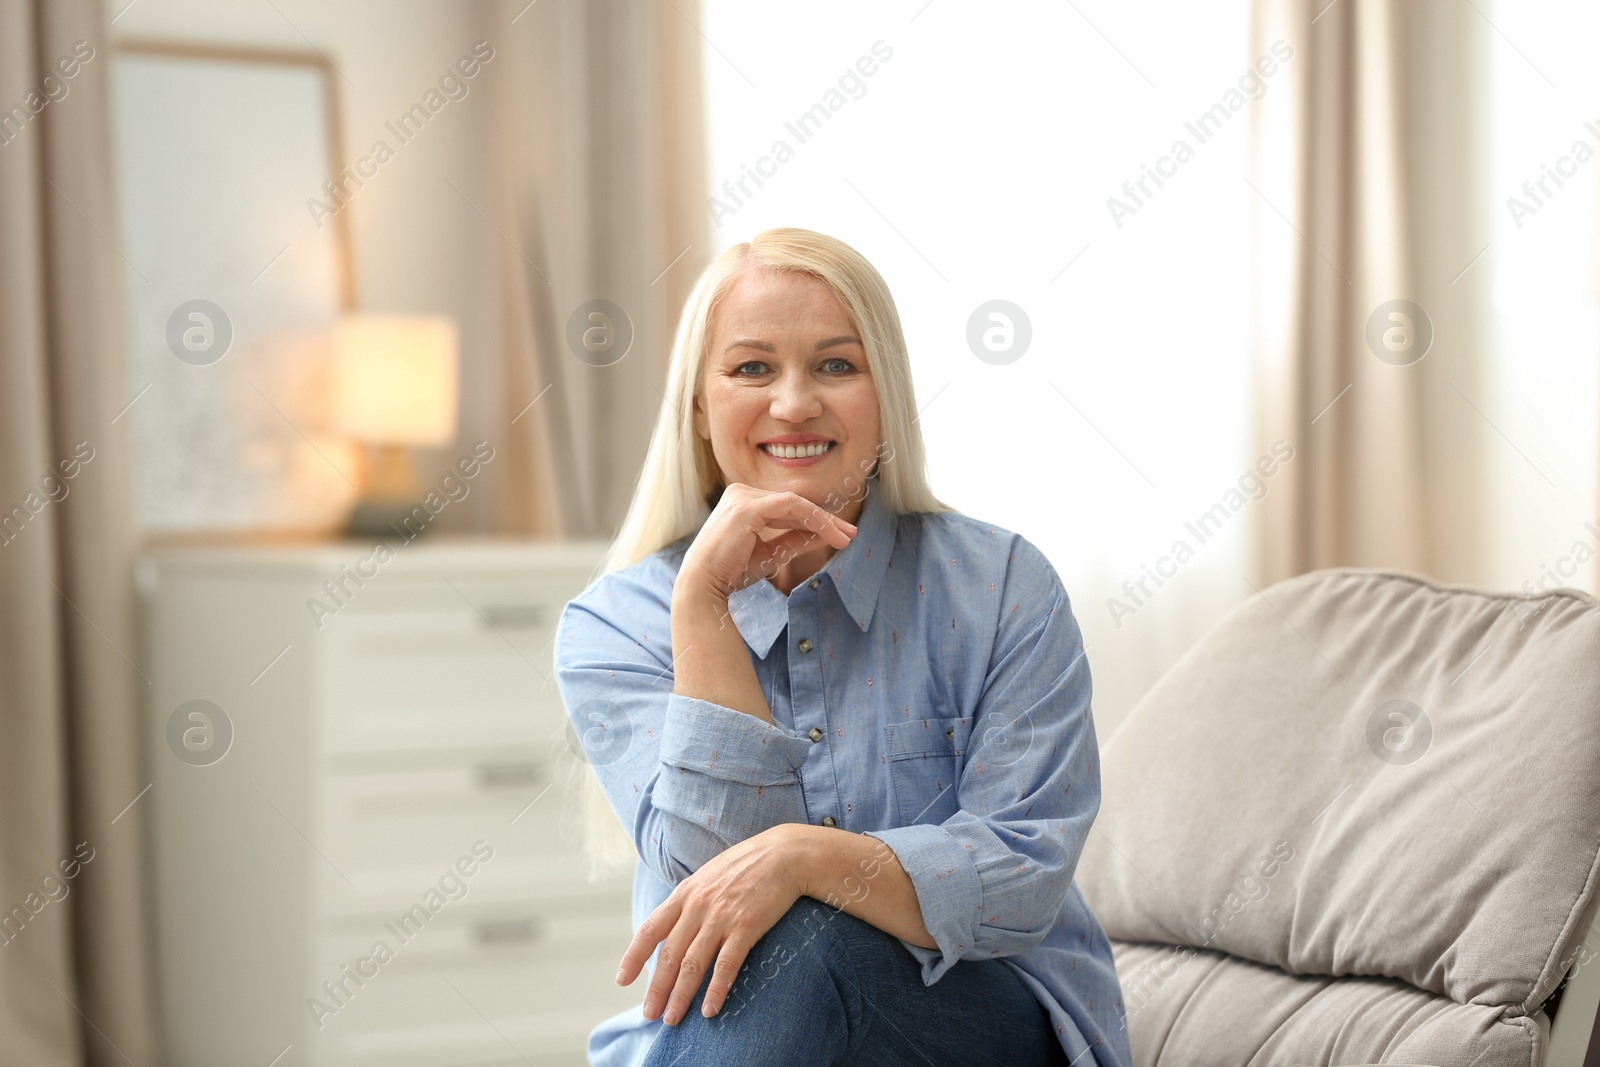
column 761, row 612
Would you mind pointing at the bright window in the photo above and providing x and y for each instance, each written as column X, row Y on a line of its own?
column 975, row 163
column 1544, row 369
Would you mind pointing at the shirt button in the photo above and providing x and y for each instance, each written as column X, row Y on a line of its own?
column 950, row 733
column 805, row 644
column 815, row 582
column 829, row 820
column 815, row 734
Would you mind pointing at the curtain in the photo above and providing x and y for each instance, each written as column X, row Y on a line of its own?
column 75, row 962
column 600, row 172
column 1335, row 243
column 597, row 158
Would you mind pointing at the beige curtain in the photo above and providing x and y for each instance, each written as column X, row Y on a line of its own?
column 74, row 969
column 599, row 153
column 1334, row 240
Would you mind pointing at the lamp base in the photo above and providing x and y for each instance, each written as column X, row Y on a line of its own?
column 380, row 517
column 387, row 474
column 389, row 496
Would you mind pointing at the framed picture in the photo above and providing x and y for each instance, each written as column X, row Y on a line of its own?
column 238, row 264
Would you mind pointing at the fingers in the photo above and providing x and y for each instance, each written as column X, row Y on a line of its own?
column 783, row 548
column 819, row 519
column 729, row 960
column 781, row 507
column 685, row 983
column 678, row 976
column 654, row 929
column 793, row 510
column 733, row 550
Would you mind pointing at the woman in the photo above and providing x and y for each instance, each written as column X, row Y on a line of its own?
column 845, row 727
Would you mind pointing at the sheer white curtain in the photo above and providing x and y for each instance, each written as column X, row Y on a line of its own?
column 972, row 155
column 1543, row 387
column 1441, row 155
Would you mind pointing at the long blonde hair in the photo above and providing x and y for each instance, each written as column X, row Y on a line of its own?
column 681, row 471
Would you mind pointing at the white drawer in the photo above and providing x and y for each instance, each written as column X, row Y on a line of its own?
column 396, row 726
column 500, row 596
column 475, row 985
column 390, row 833
column 421, row 679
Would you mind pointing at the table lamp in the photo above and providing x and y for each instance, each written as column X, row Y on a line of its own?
column 394, row 388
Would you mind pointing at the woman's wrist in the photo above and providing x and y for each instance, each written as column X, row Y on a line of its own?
column 860, row 875
column 697, row 613
column 694, row 602
column 710, row 659
column 805, row 847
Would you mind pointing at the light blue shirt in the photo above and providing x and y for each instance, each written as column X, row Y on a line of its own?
column 929, row 688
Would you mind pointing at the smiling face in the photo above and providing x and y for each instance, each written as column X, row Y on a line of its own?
column 786, row 376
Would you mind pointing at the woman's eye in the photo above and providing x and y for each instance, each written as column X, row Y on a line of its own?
column 844, row 365
column 753, row 363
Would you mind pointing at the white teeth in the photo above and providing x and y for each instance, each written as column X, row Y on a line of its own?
column 798, row 451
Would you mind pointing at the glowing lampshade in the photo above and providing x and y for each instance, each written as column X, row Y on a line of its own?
column 394, row 379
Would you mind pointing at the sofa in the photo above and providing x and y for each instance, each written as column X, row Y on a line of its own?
column 1358, row 822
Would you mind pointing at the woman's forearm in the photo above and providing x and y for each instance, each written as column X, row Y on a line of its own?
column 856, row 873
column 710, row 659
column 862, row 876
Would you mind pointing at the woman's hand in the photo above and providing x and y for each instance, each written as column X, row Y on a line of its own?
column 714, row 915
column 729, row 553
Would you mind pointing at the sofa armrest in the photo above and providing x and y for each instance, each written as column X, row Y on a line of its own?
column 1574, row 1033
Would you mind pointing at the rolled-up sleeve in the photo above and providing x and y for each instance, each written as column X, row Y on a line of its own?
column 707, row 740
column 992, row 878
column 687, row 777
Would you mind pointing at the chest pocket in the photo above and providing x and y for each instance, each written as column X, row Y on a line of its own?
column 925, row 758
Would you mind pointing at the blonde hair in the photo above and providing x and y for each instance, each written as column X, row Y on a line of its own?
column 680, row 471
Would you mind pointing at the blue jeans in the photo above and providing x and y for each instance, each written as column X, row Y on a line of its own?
column 823, row 987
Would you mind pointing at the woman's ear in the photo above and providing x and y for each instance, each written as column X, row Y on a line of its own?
column 697, row 415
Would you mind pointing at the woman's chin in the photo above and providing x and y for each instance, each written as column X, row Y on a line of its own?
column 806, row 484
column 818, row 481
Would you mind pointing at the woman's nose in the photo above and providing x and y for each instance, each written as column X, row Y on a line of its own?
column 795, row 400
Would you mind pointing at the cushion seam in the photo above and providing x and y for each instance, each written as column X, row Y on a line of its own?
column 1526, row 1008
column 1414, row 578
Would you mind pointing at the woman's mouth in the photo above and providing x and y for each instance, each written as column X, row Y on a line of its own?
column 798, row 455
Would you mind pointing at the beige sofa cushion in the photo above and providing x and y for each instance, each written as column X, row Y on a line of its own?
column 1198, row 1008
column 1261, row 800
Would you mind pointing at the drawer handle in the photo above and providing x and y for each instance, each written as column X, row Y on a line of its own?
column 509, row 775
column 508, row 931
column 516, row 616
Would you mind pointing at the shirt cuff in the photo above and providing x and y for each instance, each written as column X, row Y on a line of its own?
column 720, row 742
column 949, row 892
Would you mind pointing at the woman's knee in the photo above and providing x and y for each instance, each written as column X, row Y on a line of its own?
column 809, row 919
column 824, row 932
column 810, row 951
column 786, row 996
column 805, row 987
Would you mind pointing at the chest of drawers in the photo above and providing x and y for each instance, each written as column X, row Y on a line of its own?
column 364, row 807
